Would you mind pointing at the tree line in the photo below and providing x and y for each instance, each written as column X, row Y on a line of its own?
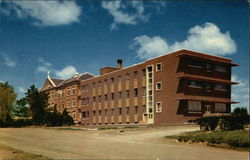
column 33, row 109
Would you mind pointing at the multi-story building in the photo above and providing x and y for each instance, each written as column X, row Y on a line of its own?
column 64, row 94
column 174, row 88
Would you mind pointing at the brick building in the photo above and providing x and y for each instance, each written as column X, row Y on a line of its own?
column 170, row 89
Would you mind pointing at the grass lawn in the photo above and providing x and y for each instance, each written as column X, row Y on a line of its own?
column 11, row 153
column 234, row 139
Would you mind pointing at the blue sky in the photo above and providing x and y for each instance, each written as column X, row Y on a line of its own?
column 82, row 36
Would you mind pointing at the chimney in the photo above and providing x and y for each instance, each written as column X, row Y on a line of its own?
column 119, row 63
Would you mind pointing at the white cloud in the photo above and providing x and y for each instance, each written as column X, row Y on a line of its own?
column 206, row 38
column 44, row 66
column 7, row 60
column 118, row 10
column 45, row 13
column 66, row 72
column 240, row 92
column 21, row 90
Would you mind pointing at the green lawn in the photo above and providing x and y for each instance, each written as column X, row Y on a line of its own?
column 234, row 139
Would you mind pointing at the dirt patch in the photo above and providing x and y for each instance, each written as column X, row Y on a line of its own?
column 132, row 143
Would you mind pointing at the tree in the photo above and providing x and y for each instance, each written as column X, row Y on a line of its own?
column 38, row 102
column 241, row 111
column 67, row 119
column 7, row 99
column 20, row 108
column 53, row 118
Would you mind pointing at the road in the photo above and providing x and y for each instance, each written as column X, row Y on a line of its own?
column 148, row 143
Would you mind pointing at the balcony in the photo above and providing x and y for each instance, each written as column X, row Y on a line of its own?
column 204, row 78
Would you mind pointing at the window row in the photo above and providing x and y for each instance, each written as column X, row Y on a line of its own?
column 68, row 104
column 111, row 112
column 119, row 78
column 208, row 86
column 195, row 106
column 62, row 93
column 207, row 66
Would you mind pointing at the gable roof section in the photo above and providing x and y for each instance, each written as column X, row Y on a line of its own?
column 76, row 78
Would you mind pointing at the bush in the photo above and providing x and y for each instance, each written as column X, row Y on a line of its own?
column 225, row 123
column 234, row 139
column 16, row 123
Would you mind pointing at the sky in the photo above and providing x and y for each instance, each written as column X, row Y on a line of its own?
column 66, row 37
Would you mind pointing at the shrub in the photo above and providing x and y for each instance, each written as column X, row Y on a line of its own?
column 16, row 123
column 229, row 122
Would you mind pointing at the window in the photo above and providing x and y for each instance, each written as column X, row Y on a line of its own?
column 62, row 106
column 120, row 111
column 73, row 103
column 120, row 95
column 112, row 96
column 193, row 83
column 221, row 87
column 68, row 104
column 208, row 66
column 105, row 97
column 127, row 76
column 85, row 101
column 144, row 72
column 220, row 68
column 158, row 86
column 68, row 91
column 144, row 108
column 112, row 112
column 136, row 110
column 85, row 114
column 127, row 93
column 93, row 84
column 100, row 112
column 144, row 91
column 196, row 64
column 100, row 99
column 94, row 113
column 73, row 90
column 135, row 74
column 99, row 83
column 158, row 106
column 150, row 68
column 127, row 110
column 85, row 87
column 136, row 92
column 194, row 106
column 105, row 112
column 105, row 81
column 158, row 67
column 119, row 78
column 220, row 107
column 94, row 99
column 208, row 87
column 112, row 80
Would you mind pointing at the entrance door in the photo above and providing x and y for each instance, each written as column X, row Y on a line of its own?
column 207, row 109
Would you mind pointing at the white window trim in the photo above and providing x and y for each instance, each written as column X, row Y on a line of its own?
column 156, row 110
column 156, row 86
column 157, row 67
